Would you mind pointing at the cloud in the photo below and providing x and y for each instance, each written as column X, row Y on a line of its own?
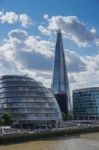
column 28, row 54
column 75, row 62
column 23, row 53
column 36, row 61
column 83, row 79
column 42, row 76
column 44, row 30
column 25, row 20
column 38, row 45
column 46, row 16
column 18, row 34
column 83, row 71
column 97, row 42
column 93, row 31
column 8, row 17
column 6, row 51
column 27, row 51
column 12, row 17
column 72, row 28
column 92, row 63
column 89, row 77
column 20, row 40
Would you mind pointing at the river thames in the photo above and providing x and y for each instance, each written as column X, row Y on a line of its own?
column 58, row 144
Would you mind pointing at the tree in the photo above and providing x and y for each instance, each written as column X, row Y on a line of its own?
column 6, row 119
column 1, row 122
column 64, row 116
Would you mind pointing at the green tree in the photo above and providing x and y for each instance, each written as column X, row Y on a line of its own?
column 6, row 119
column 1, row 121
column 64, row 116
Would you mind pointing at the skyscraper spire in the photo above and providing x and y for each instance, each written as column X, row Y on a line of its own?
column 60, row 86
column 59, row 30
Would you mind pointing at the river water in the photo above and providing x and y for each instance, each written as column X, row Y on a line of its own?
column 58, row 144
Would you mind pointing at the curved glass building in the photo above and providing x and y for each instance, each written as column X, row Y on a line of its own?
column 28, row 101
column 86, row 103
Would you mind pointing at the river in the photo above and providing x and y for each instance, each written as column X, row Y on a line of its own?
column 58, row 144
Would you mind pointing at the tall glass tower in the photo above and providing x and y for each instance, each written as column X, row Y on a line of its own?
column 60, row 86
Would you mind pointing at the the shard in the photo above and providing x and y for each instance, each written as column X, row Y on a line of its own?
column 60, row 85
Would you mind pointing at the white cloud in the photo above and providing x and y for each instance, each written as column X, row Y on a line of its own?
column 93, row 31
column 6, row 51
column 38, row 45
column 24, row 42
column 46, row 16
column 84, row 79
column 12, row 17
column 72, row 28
column 97, row 42
column 8, row 17
column 32, row 55
column 18, row 34
column 42, row 76
column 25, row 20
column 27, row 50
column 75, row 62
column 88, row 77
column 44, row 30
column 27, row 54
column 92, row 63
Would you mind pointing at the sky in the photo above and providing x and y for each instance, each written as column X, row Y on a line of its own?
column 28, row 36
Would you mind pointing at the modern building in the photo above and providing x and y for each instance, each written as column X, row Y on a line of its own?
column 28, row 101
column 86, row 103
column 60, row 86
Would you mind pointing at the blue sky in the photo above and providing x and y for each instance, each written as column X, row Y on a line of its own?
column 28, row 35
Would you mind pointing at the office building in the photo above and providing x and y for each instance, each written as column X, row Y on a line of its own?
column 86, row 103
column 60, row 86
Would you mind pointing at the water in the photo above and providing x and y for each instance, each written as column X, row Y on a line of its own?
column 60, row 144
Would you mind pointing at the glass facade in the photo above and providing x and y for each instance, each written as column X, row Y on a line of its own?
column 27, row 100
column 60, row 79
column 60, row 85
column 86, row 103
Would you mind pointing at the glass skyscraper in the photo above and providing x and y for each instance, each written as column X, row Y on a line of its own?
column 28, row 101
column 60, row 86
column 86, row 103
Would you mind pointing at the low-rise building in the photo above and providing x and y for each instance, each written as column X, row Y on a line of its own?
column 86, row 103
